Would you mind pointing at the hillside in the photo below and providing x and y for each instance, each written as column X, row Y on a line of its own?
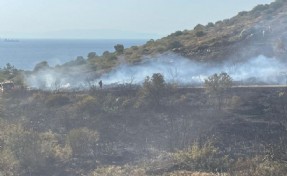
column 246, row 35
column 250, row 39
column 261, row 31
column 153, row 130
column 67, row 125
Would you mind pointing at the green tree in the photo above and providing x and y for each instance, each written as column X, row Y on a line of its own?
column 80, row 60
column 199, row 27
column 199, row 33
column 9, row 69
column 175, row 44
column 109, row 56
column 216, row 86
column 8, row 72
column 92, row 55
column 153, row 89
column 106, row 53
column 177, row 33
column 210, row 24
column 41, row 66
column 119, row 48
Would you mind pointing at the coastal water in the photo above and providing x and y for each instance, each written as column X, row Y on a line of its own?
column 24, row 54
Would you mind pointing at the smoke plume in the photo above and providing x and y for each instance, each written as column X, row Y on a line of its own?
column 176, row 69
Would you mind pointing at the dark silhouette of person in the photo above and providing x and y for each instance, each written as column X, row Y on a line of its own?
column 101, row 84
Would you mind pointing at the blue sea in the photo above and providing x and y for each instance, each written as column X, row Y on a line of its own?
column 25, row 54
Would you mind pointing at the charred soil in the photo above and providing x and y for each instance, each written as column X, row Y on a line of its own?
column 99, row 128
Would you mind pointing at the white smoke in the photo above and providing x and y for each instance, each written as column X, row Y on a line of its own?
column 174, row 68
column 185, row 71
column 51, row 79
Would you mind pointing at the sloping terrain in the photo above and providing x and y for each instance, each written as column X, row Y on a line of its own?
column 261, row 31
column 124, row 131
column 155, row 128
column 249, row 34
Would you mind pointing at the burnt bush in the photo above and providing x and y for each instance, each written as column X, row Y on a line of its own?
column 82, row 141
column 57, row 100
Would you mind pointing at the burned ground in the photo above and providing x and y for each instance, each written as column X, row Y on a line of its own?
column 251, row 123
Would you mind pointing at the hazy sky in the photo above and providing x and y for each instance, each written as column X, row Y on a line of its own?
column 72, row 18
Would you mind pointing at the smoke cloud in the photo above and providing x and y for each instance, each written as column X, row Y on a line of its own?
column 176, row 69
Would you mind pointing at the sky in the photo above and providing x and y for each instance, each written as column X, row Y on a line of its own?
column 111, row 18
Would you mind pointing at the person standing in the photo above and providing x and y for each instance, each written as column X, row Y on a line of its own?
column 101, row 84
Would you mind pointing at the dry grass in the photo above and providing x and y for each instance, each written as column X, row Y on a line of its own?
column 188, row 173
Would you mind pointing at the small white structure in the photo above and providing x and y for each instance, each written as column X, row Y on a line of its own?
column 6, row 86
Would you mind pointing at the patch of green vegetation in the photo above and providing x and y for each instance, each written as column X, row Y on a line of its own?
column 223, row 39
column 9, row 72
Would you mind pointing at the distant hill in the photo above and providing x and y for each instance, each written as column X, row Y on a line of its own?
column 261, row 31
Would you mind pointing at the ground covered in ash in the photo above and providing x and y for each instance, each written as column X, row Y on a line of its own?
column 123, row 131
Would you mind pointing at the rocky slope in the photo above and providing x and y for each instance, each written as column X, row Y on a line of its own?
column 261, row 31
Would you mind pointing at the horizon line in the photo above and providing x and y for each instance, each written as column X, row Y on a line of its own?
column 24, row 38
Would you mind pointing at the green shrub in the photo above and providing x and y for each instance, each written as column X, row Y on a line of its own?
column 219, row 23
column 260, row 8
column 149, row 43
column 9, row 72
column 216, row 86
column 109, row 56
column 199, row 27
column 243, row 13
column 135, row 58
column 107, row 60
column 153, row 90
column 92, row 55
column 177, row 33
column 161, row 48
column 119, row 48
column 200, row 33
column 175, row 44
column 41, row 66
column 210, row 24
